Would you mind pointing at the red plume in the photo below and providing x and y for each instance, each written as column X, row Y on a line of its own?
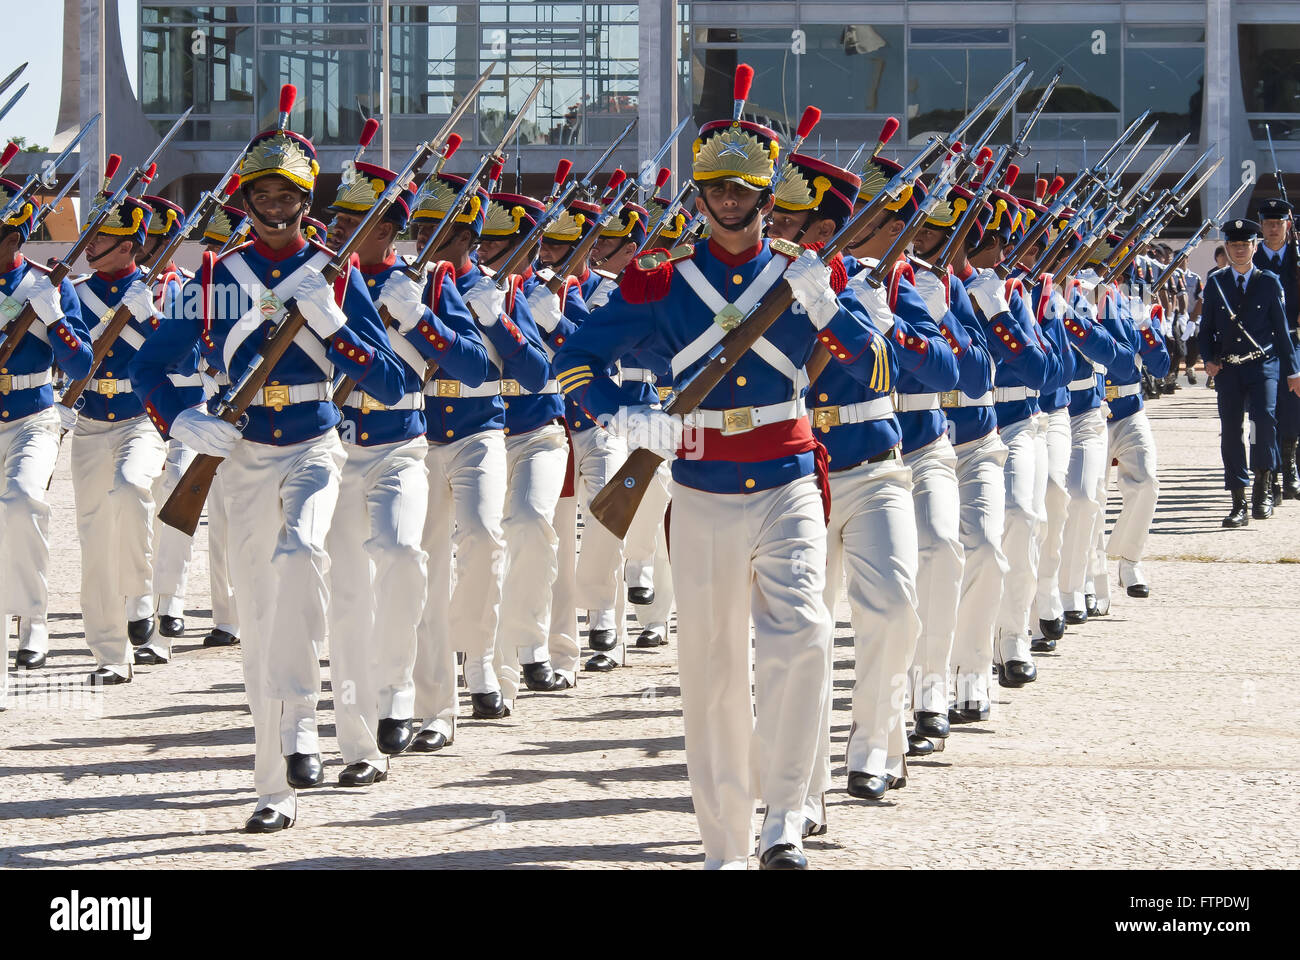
column 497, row 167
column 288, row 94
column 888, row 130
column 809, row 120
column 616, row 178
column 956, row 148
column 110, row 168
column 562, row 170
column 1040, row 188
column 664, row 174
column 984, row 156
column 1056, row 186
column 1013, row 172
column 232, row 184
column 149, row 174
column 10, row 152
column 368, row 131
column 453, row 144
column 744, row 80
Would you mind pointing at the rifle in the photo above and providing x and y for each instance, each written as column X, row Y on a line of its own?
column 7, row 82
column 1215, row 221
column 1142, row 195
column 617, row 502
column 47, row 178
column 669, row 215
column 13, row 100
column 48, row 208
column 184, row 507
column 1281, row 186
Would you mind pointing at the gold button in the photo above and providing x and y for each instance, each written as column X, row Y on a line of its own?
column 112, row 416
column 451, row 433
column 275, row 273
column 112, row 289
column 749, row 484
column 577, row 423
column 505, row 404
column 365, row 436
column 507, row 430
column 448, row 409
column 741, row 381
column 828, row 458
column 275, row 383
column 277, row 434
column 4, row 413
column 370, row 282
column 2, row 281
column 822, row 397
column 4, row 369
column 108, row 374
column 737, row 278
column 109, row 354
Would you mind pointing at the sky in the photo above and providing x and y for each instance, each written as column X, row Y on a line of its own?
column 40, row 24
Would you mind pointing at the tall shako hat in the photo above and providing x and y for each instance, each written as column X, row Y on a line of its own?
column 129, row 219
column 950, row 210
column 440, row 191
column 807, row 183
column 363, row 184
column 658, row 205
column 23, row 218
column 737, row 150
column 630, row 223
column 1031, row 210
column 167, row 217
column 223, row 224
column 1006, row 208
column 511, row 215
column 579, row 217
column 280, row 152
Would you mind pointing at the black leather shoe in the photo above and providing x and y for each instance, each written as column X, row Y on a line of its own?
column 1239, row 516
column 641, row 595
column 140, row 631
column 303, row 770
column 975, row 712
column 361, row 774
column 148, row 657
column 1076, row 617
column 600, row 664
column 489, row 706
column 1191, row 377
column 651, row 638
column 932, row 726
column 393, row 736
column 104, row 677
column 542, row 678
column 220, row 638
column 919, row 746
column 267, row 821
column 602, row 640
column 1277, row 488
column 1261, row 497
column 1090, row 604
column 29, row 659
column 1042, row 645
column 811, row 828
column 428, row 741
column 1016, row 673
column 1139, row 590
column 171, row 626
column 783, row 856
column 867, row 786
column 1052, row 629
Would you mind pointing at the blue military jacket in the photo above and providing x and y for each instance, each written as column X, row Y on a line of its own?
column 1093, row 345
column 67, row 343
column 1283, row 266
column 1126, row 369
column 1261, row 312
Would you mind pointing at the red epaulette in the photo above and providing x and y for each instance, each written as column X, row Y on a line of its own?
column 648, row 277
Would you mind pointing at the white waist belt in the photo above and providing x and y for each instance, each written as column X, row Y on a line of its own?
column 912, row 402
column 281, row 395
column 1086, row 383
column 183, row 380
column 366, row 403
column 24, row 381
column 636, row 375
column 456, row 390
column 823, row 418
column 110, row 388
column 1010, row 394
column 1123, row 390
column 946, row 399
column 742, row 419
column 511, row 388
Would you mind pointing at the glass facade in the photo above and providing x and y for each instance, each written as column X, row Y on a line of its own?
column 1270, row 78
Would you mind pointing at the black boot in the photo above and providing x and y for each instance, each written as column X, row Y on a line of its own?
column 1290, row 472
column 1240, row 516
column 1261, row 497
column 1275, row 482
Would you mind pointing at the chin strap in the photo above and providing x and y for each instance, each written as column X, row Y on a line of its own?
column 94, row 260
column 295, row 217
column 749, row 218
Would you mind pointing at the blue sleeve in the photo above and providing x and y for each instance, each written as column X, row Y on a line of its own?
column 849, row 334
column 360, row 348
column 1286, row 348
column 1030, row 362
column 868, row 372
column 573, row 311
column 962, row 328
column 71, row 340
column 168, row 348
column 450, row 337
column 615, row 330
column 520, row 345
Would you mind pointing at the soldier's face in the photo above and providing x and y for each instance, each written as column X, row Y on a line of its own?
column 275, row 199
column 612, row 254
column 490, row 250
column 727, row 204
column 785, row 225
column 550, row 254
column 344, row 225
column 109, row 253
column 1274, row 232
column 1240, row 252
column 928, row 240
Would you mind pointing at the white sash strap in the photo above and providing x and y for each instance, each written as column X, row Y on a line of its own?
column 716, row 302
column 283, row 291
column 1083, row 383
column 13, row 304
column 744, row 419
column 406, row 350
column 635, row 375
column 184, row 380
column 101, row 311
column 600, row 296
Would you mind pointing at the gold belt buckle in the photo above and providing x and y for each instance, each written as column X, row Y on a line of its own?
column 108, row 388
column 737, row 420
column 448, row 388
column 664, row 393
column 826, row 417
column 510, row 388
column 729, row 317
column 6, row 382
column 1112, row 392
column 369, row 404
column 950, row 398
column 277, row 397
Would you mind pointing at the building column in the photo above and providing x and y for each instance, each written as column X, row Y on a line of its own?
column 657, row 107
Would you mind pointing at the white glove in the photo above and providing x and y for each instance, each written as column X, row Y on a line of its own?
column 204, row 433
column 1057, row 308
column 404, row 299
column 1142, row 316
column 876, row 301
column 545, row 307
column 810, row 280
column 45, row 301
column 644, row 426
column 487, row 302
column 210, row 386
column 987, row 292
column 1193, row 328
column 316, row 301
column 139, row 300
column 67, row 417
column 932, row 291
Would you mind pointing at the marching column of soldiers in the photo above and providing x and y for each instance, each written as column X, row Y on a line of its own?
column 899, row 381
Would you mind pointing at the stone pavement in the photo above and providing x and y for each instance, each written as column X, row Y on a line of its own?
column 1163, row 735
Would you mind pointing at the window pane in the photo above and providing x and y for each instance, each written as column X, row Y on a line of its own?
column 773, row 99
column 944, row 84
column 1090, row 55
column 423, row 51
column 960, row 35
column 330, row 84
column 1170, row 82
column 522, row 54
column 1279, row 128
column 853, row 68
column 172, row 76
column 1179, row 34
column 217, row 14
column 1095, row 129
column 1270, row 67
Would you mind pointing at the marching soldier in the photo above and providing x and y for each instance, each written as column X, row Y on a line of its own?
column 29, row 428
column 1277, row 255
column 1247, row 345
column 282, row 472
column 378, row 568
column 748, row 522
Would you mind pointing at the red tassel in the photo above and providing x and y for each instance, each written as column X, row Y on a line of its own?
column 453, row 144
column 110, row 168
column 562, row 170
column 10, row 152
column 1056, row 186
column 887, row 132
column 744, row 79
column 806, row 123
column 664, row 174
column 368, row 132
column 646, row 286
column 1040, row 188
column 1013, row 172
column 288, row 94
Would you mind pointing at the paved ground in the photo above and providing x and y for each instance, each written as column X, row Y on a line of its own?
column 1160, row 736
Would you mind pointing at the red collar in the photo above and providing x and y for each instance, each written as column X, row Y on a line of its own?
column 110, row 277
column 965, row 275
column 586, row 275
column 275, row 256
column 18, row 262
column 734, row 259
column 381, row 266
column 458, row 272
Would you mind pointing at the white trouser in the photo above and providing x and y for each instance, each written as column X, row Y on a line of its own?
column 1026, row 516
column 589, row 579
column 1098, row 582
column 114, row 466
column 378, row 578
column 281, row 501
column 936, row 500
column 1057, row 500
column 224, row 615
column 1084, row 480
column 647, row 552
column 535, row 464
column 1134, row 446
column 467, row 491
column 743, row 556
column 28, row 449
column 872, row 533
column 172, row 548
